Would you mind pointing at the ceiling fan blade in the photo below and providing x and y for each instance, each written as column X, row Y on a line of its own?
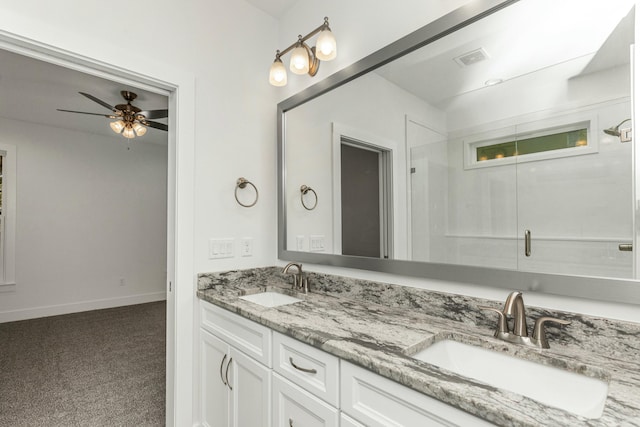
column 156, row 125
column 93, row 114
column 155, row 114
column 99, row 101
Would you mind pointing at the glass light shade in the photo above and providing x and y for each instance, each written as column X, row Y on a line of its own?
column 278, row 73
column 326, row 48
column 299, row 60
column 117, row 126
column 139, row 129
column 128, row 132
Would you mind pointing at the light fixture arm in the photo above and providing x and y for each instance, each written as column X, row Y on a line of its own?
column 301, row 39
column 622, row 122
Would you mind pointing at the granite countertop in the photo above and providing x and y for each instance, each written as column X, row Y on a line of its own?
column 377, row 326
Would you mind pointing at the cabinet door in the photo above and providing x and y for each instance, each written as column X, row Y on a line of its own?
column 214, row 394
column 295, row 407
column 250, row 384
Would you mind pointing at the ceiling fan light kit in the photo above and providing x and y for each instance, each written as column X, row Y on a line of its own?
column 305, row 59
column 130, row 121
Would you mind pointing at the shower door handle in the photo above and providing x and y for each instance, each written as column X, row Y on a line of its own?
column 527, row 242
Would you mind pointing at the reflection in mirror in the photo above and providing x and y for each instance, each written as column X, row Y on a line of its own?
column 492, row 133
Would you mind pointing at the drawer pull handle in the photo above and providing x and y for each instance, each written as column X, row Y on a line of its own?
column 290, row 422
column 226, row 374
column 221, row 364
column 310, row 371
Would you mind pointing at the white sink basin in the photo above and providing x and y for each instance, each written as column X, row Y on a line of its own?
column 270, row 299
column 555, row 387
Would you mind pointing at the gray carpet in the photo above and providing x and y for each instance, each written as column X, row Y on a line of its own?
column 97, row 368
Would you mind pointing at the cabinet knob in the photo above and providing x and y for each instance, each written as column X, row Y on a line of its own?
column 290, row 422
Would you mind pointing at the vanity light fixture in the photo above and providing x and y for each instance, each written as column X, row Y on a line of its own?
column 305, row 59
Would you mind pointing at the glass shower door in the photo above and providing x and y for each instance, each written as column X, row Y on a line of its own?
column 575, row 214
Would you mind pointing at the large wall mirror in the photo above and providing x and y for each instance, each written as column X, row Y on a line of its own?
column 492, row 146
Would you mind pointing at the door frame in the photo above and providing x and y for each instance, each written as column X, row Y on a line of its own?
column 104, row 61
column 375, row 143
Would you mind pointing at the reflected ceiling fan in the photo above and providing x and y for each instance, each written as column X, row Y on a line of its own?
column 130, row 121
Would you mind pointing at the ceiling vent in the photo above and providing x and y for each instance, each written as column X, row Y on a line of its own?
column 473, row 57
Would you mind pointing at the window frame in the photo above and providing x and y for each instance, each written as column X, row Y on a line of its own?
column 8, row 231
column 529, row 130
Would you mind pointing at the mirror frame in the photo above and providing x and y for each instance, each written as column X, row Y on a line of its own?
column 594, row 288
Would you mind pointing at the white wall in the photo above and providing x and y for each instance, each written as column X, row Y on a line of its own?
column 90, row 212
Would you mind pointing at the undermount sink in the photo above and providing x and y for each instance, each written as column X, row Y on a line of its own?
column 270, row 299
column 575, row 393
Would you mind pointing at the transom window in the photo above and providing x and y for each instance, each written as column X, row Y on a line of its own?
column 538, row 144
column 540, row 140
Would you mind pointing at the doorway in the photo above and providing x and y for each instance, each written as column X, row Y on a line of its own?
column 180, row 88
column 366, row 189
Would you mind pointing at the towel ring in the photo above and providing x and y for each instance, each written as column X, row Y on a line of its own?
column 303, row 191
column 242, row 183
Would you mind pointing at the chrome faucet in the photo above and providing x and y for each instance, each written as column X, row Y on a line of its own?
column 299, row 281
column 514, row 307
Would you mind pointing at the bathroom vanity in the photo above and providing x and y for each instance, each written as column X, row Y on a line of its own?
column 345, row 355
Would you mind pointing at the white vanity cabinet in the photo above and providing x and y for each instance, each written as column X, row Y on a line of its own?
column 254, row 377
column 235, row 388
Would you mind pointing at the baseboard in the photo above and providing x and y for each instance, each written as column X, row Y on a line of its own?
column 76, row 307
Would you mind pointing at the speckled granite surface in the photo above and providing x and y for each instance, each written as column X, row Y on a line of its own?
column 377, row 325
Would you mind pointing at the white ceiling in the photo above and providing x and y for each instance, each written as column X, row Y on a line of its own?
column 519, row 40
column 31, row 90
column 275, row 8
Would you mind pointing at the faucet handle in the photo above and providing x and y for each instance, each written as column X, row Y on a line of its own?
column 539, row 333
column 502, row 319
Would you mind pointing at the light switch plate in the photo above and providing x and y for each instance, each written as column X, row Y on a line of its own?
column 300, row 243
column 316, row 243
column 221, row 248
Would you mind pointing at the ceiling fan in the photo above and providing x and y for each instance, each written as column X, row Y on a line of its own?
column 130, row 121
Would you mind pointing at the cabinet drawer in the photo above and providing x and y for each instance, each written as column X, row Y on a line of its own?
column 346, row 421
column 294, row 407
column 379, row 402
column 310, row 368
column 251, row 338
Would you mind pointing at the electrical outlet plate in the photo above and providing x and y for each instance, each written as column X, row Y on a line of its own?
column 246, row 246
column 221, row 248
column 300, row 243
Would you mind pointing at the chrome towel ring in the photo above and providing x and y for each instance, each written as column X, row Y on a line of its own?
column 242, row 183
column 303, row 191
